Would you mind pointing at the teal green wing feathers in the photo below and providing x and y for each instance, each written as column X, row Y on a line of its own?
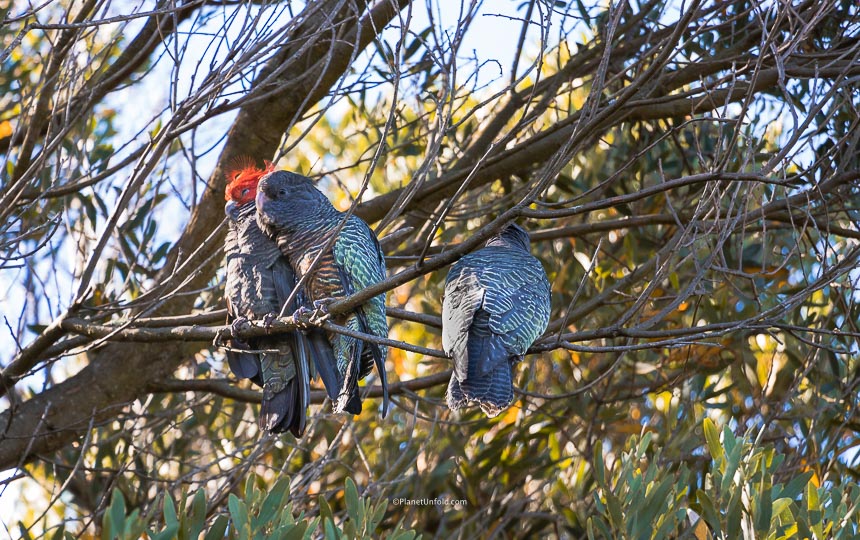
column 361, row 263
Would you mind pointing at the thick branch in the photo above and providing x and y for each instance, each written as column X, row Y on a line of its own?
column 228, row 388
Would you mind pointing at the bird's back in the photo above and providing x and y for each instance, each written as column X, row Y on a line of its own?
column 496, row 304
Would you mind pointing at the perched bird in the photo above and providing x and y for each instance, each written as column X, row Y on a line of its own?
column 335, row 258
column 496, row 304
column 259, row 280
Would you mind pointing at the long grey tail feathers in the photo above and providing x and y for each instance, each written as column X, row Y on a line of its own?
column 348, row 399
column 370, row 350
column 324, row 361
column 493, row 392
column 286, row 410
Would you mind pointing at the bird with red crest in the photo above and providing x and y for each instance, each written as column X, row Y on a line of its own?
column 259, row 280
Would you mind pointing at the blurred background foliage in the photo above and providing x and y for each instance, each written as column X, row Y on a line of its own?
column 699, row 379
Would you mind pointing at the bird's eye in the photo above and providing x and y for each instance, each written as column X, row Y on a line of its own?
column 282, row 192
column 245, row 191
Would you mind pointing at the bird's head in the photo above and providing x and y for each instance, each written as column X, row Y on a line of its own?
column 511, row 236
column 285, row 198
column 243, row 175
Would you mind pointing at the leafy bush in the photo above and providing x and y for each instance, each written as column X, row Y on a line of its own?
column 258, row 515
column 744, row 493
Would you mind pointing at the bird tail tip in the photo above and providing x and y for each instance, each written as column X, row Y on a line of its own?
column 283, row 412
column 493, row 393
column 454, row 396
column 287, row 409
column 348, row 402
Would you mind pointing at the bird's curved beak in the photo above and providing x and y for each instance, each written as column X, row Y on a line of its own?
column 262, row 191
column 231, row 208
column 260, row 197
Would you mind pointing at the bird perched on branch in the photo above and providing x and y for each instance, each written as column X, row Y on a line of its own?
column 335, row 256
column 496, row 304
column 259, row 280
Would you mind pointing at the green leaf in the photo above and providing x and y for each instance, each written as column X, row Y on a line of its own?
column 117, row 512
column 604, row 528
column 330, row 530
column 644, row 443
column 89, row 209
column 376, row 515
column 239, row 515
column 59, row 533
column 352, row 502
column 251, row 493
column 108, row 532
column 218, row 528
column 197, row 515
column 169, row 533
column 709, row 512
column 325, row 509
column 674, row 281
column 813, row 506
column 734, row 514
column 712, row 436
column 156, row 130
column 733, row 461
column 764, row 506
column 794, row 488
column 729, row 440
column 782, row 505
column 656, row 501
column 294, row 532
column 599, row 468
column 403, row 535
column 169, row 506
column 277, row 497
column 615, row 512
column 134, row 525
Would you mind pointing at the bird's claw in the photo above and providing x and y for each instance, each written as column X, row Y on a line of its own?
column 268, row 320
column 301, row 317
column 305, row 317
column 239, row 324
column 218, row 342
column 321, row 313
column 235, row 327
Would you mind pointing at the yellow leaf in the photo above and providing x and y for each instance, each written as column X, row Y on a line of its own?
column 5, row 129
column 701, row 530
column 511, row 415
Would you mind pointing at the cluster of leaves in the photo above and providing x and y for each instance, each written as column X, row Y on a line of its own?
column 744, row 491
column 263, row 512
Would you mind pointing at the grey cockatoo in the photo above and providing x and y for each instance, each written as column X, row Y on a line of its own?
column 496, row 304
column 259, row 279
column 335, row 264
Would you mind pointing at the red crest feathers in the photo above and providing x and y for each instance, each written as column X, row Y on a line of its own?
column 242, row 178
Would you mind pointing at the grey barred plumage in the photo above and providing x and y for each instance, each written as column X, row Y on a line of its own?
column 496, row 304
column 303, row 222
column 259, row 280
